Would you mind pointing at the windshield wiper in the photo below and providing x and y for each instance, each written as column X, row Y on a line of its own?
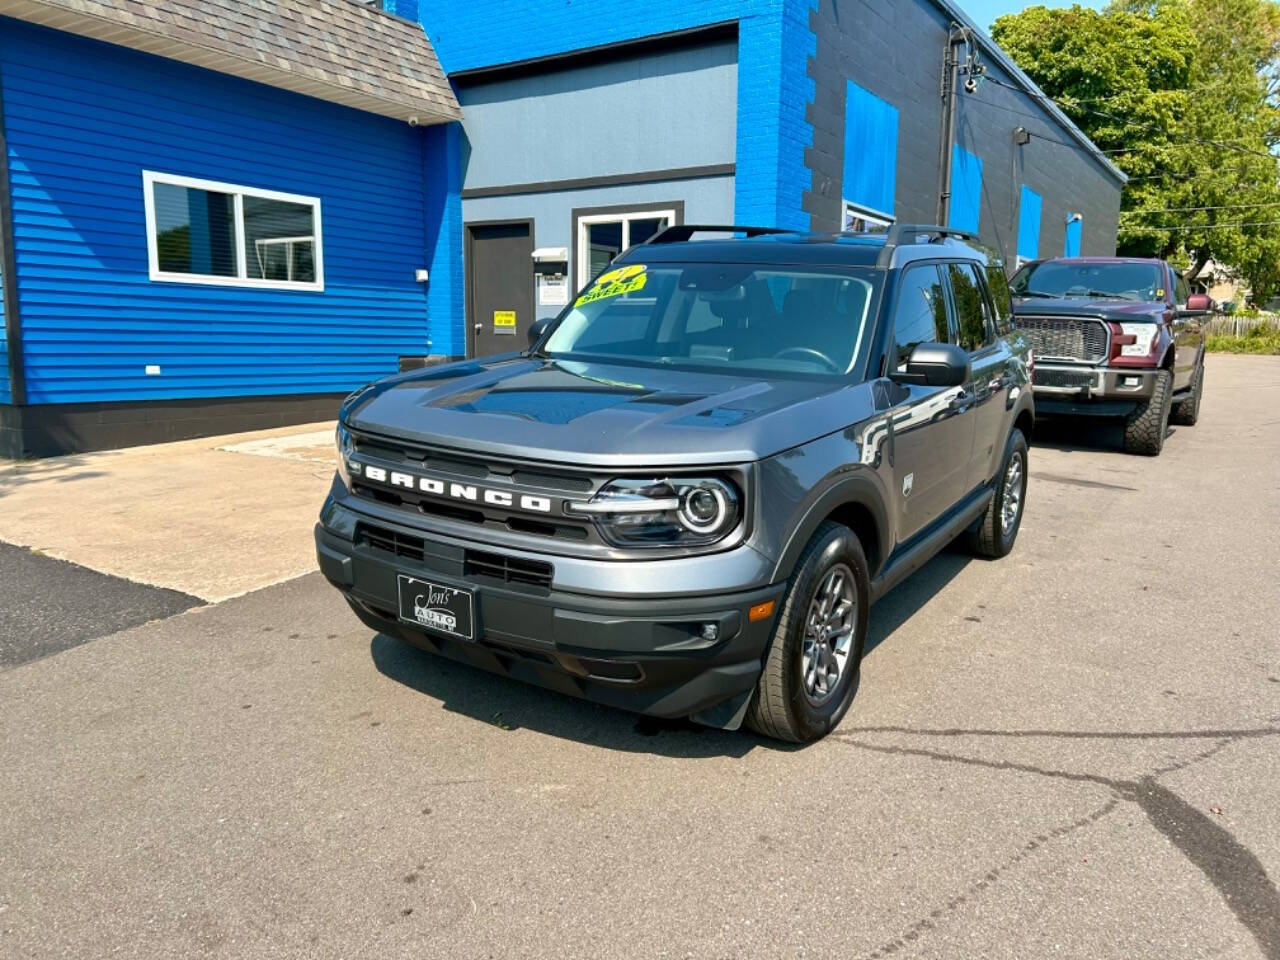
column 1039, row 293
column 1108, row 295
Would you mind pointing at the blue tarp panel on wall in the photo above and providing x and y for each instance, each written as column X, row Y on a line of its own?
column 1075, row 226
column 870, row 150
column 1029, row 224
column 965, row 208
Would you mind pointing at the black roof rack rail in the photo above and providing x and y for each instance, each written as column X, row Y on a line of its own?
column 683, row 231
column 909, row 233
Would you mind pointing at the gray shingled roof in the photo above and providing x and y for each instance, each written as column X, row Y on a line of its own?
column 343, row 51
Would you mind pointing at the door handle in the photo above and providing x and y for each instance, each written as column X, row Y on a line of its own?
column 479, row 327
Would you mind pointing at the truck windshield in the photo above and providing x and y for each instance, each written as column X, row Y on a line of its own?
column 1094, row 281
column 742, row 317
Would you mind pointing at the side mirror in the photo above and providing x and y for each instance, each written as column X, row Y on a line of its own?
column 935, row 365
column 1199, row 303
column 537, row 329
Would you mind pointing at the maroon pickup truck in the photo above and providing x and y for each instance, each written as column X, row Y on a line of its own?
column 1114, row 337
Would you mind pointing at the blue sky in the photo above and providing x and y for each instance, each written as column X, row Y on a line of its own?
column 984, row 12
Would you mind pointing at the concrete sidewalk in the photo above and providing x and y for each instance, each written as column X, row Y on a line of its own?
column 213, row 518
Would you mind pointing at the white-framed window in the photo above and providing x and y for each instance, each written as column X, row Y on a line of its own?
column 202, row 231
column 602, row 236
column 859, row 219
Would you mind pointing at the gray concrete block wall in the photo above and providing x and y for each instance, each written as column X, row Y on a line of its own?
column 895, row 49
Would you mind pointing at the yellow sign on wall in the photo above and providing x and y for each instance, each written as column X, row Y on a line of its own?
column 504, row 318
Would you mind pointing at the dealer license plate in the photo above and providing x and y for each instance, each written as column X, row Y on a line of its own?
column 436, row 607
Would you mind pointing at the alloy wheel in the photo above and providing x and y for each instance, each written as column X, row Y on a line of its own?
column 828, row 634
column 1012, row 502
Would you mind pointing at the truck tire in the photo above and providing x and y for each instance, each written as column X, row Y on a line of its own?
column 998, row 528
column 1144, row 429
column 1186, row 412
column 812, row 668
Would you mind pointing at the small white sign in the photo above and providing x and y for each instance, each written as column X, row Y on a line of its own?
column 153, row 369
column 553, row 291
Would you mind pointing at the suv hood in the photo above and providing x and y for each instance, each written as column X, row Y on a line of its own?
column 604, row 414
column 1121, row 311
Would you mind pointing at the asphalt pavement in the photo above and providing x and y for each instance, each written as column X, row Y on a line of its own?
column 1071, row 752
column 47, row 605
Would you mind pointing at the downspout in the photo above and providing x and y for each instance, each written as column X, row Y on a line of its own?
column 950, row 77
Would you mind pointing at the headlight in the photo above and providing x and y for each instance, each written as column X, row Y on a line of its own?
column 672, row 512
column 346, row 446
column 1144, row 334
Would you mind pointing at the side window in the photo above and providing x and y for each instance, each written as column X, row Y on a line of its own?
column 1183, row 288
column 998, row 285
column 971, row 308
column 921, row 313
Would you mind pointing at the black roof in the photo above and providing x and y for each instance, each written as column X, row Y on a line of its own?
column 835, row 249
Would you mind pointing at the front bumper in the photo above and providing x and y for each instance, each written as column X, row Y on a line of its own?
column 637, row 651
column 1071, row 388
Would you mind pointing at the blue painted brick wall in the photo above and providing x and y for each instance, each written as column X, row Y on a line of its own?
column 84, row 119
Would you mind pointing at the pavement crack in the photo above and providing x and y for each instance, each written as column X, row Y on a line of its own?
column 991, row 877
column 1234, row 871
column 1245, row 733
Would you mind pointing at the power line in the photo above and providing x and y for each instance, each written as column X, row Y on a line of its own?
column 1204, row 226
column 1226, row 206
column 1045, row 98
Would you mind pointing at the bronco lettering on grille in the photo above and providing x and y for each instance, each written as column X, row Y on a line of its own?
column 456, row 491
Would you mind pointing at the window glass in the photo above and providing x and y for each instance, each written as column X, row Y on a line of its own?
column 720, row 314
column 1114, row 280
column 998, row 286
column 921, row 313
column 1184, row 290
column 971, row 307
column 195, row 231
column 279, row 239
column 221, row 233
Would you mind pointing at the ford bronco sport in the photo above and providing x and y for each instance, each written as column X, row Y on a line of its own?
column 1114, row 337
column 683, row 498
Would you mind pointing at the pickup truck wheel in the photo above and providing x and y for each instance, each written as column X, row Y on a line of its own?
column 812, row 668
column 1144, row 429
column 1187, row 412
column 999, row 526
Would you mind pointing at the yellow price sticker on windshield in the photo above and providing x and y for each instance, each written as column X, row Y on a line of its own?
column 614, row 283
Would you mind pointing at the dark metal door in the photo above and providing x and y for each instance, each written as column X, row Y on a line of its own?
column 499, row 287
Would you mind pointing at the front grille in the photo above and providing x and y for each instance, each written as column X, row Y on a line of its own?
column 498, row 566
column 1066, row 338
column 1062, row 378
column 389, row 541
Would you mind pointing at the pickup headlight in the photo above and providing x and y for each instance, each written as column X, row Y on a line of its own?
column 672, row 512
column 346, row 446
column 1143, row 334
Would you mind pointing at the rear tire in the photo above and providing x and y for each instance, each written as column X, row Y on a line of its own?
column 999, row 526
column 1144, row 429
column 792, row 702
column 1186, row 412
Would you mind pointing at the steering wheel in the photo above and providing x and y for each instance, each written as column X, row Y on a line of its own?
column 812, row 354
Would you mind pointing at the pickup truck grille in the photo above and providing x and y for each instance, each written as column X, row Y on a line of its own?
column 1066, row 338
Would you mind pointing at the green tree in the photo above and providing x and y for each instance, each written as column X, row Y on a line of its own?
column 1182, row 94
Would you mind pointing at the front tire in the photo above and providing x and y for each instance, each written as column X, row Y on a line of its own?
column 812, row 669
column 998, row 528
column 1144, row 429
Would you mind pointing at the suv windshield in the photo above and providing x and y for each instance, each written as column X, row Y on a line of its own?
column 1106, row 281
column 744, row 317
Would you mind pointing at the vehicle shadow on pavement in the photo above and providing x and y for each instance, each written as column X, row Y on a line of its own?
column 511, row 704
column 1095, row 434
column 903, row 602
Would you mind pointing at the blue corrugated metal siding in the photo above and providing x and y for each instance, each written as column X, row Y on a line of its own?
column 965, row 209
column 870, row 150
column 1029, row 224
column 84, row 119
column 1075, row 228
